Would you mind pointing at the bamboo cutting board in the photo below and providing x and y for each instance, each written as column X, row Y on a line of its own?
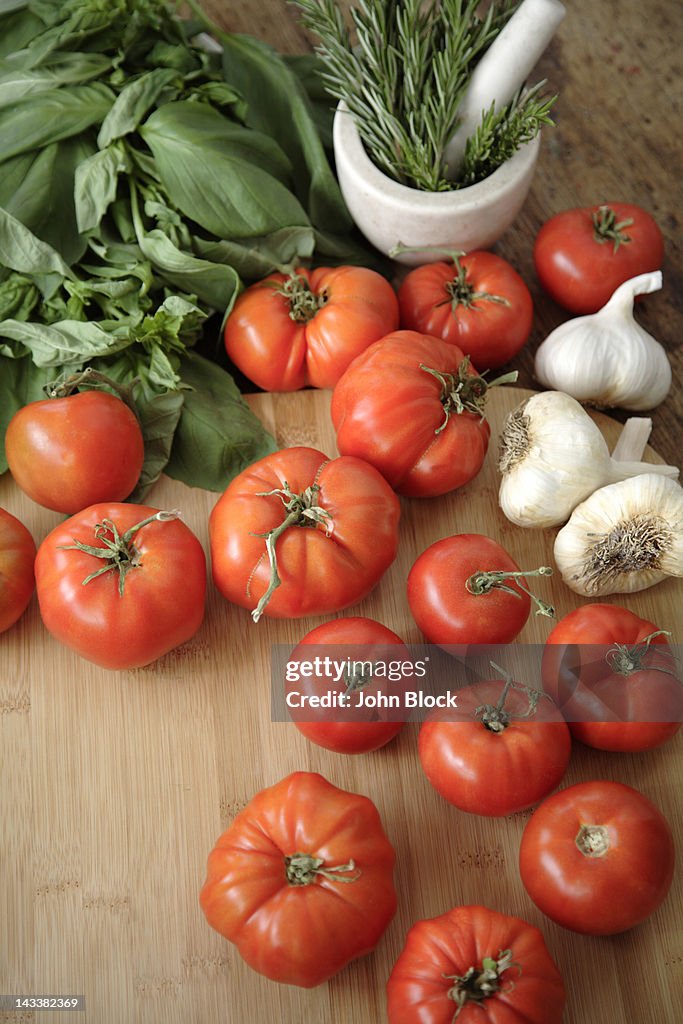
column 115, row 786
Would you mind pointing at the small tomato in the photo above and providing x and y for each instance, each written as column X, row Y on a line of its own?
column 17, row 583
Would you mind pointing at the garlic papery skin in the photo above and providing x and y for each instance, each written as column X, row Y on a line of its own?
column 552, row 456
column 606, row 358
column 625, row 537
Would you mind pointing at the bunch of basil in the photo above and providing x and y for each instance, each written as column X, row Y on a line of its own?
column 145, row 177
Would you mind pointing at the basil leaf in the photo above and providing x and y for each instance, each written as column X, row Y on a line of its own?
column 65, row 343
column 73, row 68
column 223, row 192
column 217, row 284
column 19, row 296
column 21, row 382
column 260, row 256
column 50, row 116
column 18, row 27
column 95, row 185
column 278, row 106
column 218, row 435
column 132, row 103
column 21, row 250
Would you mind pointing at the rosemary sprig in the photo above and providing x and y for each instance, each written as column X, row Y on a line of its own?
column 405, row 75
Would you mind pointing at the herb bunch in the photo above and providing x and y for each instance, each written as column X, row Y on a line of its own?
column 403, row 70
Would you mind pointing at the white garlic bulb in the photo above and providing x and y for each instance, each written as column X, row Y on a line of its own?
column 607, row 358
column 623, row 538
column 552, row 456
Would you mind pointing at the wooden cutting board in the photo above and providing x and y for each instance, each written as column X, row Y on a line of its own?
column 115, row 786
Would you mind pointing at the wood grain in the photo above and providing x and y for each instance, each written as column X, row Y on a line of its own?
column 116, row 785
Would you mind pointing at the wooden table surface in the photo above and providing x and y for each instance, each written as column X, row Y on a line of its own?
column 116, row 785
column 616, row 65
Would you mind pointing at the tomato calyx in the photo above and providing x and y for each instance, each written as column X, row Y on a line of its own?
column 461, row 292
column 625, row 660
column 303, row 302
column 301, row 510
column 480, row 983
column 304, row 868
column 463, row 391
column 484, row 581
column 117, row 550
column 606, row 228
column 592, row 840
column 63, row 387
column 495, row 717
column 357, row 679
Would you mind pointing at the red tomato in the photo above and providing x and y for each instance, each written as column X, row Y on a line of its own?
column 460, row 592
column 17, row 552
column 300, row 534
column 478, row 302
column 503, row 749
column 363, row 644
column 583, row 255
column 68, row 453
column 477, row 966
column 289, row 332
column 612, row 675
column 302, row 881
column 412, row 406
column 597, row 858
column 128, row 616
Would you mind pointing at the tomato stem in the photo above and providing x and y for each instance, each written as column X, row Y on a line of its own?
column 464, row 391
column 606, row 228
column 91, row 378
column 625, row 660
column 301, row 510
column 304, row 303
column 496, row 717
column 593, row 840
column 304, row 868
column 484, row 581
column 118, row 550
column 480, row 983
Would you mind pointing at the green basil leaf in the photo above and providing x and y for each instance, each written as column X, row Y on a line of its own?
column 96, row 183
column 226, row 194
column 217, row 284
column 259, row 256
column 72, row 68
column 278, row 105
column 65, row 343
column 19, row 296
column 21, row 250
column 132, row 104
column 18, row 26
column 51, row 116
column 159, row 418
column 218, row 435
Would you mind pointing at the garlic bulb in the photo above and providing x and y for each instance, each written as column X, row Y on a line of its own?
column 624, row 537
column 606, row 358
column 552, row 456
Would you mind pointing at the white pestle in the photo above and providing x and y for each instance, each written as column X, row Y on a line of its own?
column 503, row 70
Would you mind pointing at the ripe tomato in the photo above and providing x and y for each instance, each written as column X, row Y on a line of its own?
column 17, row 553
column 300, row 534
column 611, row 673
column 503, row 749
column 68, row 453
column 478, row 302
column 289, row 332
column 121, row 584
column 466, row 589
column 368, row 648
column 583, row 255
column 597, row 857
column 302, row 881
column 412, row 406
column 478, row 966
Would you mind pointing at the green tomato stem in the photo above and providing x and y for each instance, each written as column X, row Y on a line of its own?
column 464, row 392
column 483, row 582
column 304, row 868
column 480, row 983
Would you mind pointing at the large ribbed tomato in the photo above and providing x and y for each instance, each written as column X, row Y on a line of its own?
column 302, row 880
column 413, row 406
column 300, row 534
column 290, row 331
column 121, row 584
column 477, row 301
column 477, row 966
column 613, row 675
column 17, row 552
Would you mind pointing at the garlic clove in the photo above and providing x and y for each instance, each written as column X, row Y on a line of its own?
column 625, row 537
column 607, row 358
column 553, row 455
